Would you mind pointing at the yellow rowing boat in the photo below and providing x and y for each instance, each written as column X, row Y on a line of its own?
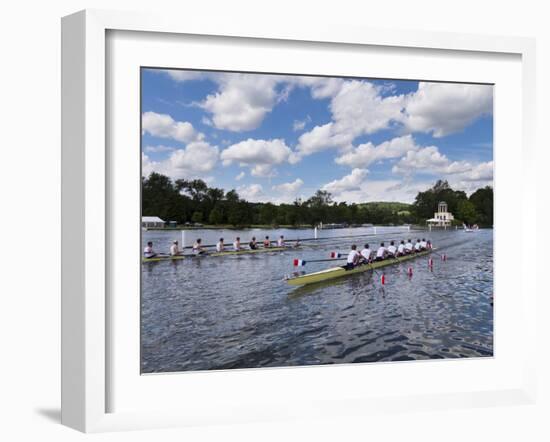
column 339, row 272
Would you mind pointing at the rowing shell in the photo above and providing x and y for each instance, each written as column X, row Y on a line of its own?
column 339, row 272
column 229, row 252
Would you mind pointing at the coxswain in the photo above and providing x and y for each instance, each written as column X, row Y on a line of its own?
column 381, row 252
column 267, row 242
column 220, row 246
column 148, row 252
column 428, row 245
column 408, row 247
column 392, row 250
column 237, row 244
column 197, row 247
column 401, row 249
column 353, row 258
column 366, row 253
column 174, row 249
column 281, row 241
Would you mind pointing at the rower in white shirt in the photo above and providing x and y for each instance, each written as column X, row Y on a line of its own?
column 220, row 246
column 365, row 253
column 237, row 244
column 197, row 247
column 381, row 252
column 148, row 252
column 392, row 249
column 408, row 247
column 353, row 258
column 417, row 247
column 281, row 241
column 423, row 244
column 401, row 249
column 174, row 249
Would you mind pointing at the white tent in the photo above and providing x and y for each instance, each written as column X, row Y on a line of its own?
column 152, row 221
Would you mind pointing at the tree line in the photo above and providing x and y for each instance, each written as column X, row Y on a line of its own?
column 193, row 201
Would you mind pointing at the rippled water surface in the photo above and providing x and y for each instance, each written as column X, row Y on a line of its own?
column 237, row 312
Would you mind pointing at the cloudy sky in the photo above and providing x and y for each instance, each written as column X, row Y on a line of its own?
column 276, row 138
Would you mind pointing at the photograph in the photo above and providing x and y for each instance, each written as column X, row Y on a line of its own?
column 292, row 220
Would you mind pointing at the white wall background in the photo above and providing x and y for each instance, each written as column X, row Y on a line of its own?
column 30, row 214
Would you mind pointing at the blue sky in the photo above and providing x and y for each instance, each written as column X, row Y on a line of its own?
column 276, row 137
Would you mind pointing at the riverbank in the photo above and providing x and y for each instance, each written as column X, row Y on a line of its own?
column 262, row 227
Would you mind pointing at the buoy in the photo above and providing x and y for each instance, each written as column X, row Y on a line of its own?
column 383, row 279
column 410, row 272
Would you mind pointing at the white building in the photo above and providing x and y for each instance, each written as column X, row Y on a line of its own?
column 442, row 218
column 151, row 221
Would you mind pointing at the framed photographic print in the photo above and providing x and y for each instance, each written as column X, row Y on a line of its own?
column 270, row 223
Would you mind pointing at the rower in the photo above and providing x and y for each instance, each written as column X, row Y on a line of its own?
column 174, row 249
column 381, row 253
column 401, row 249
column 428, row 245
column 148, row 252
column 417, row 246
column 220, row 245
column 237, row 244
column 197, row 247
column 408, row 247
column 253, row 244
column 281, row 241
column 353, row 258
column 365, row 254
column 392, row 250
column 423, row 244
column 267, row 242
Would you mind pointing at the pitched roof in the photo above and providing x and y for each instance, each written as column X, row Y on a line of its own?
column 151, row 219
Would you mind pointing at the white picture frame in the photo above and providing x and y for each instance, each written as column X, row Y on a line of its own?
column 86, row 315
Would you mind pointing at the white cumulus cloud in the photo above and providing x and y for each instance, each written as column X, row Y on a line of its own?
column 164, row 126
column 194, row 161
column 259, row 155
column 353, row 181
column 159, row 149
column 445, row 108
column 242, row 101
column 368, row 153
column 357, row 108
column 289, row 188
column 252, row 192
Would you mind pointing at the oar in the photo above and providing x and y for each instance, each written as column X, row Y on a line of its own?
column 307, row 261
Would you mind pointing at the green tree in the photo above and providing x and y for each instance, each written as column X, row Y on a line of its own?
column 466, row 212
column 482, row 199
column 197, row 217
column 216, row 215
column 268, row 214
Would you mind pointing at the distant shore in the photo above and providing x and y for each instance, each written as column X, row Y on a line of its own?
column 272, row 227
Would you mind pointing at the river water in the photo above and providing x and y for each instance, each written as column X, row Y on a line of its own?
column 237, row 312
